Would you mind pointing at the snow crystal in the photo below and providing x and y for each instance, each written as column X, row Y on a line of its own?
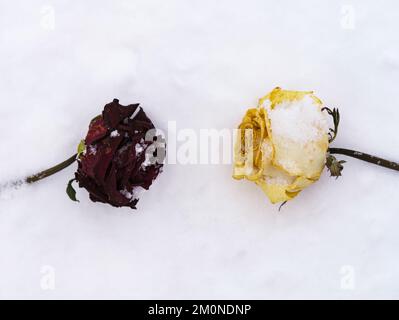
column 126, row 194
column 289, row 165
column 300, row 121
column 267, row 149
column 92, row 150
column 279, row 180
column 115, row 134
column 139, row 148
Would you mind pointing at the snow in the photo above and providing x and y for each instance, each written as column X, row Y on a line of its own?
column 92, row 150
column 300, row 121
column 197, row 233
column 114, row 134
column 127, row 194
column 139, row 148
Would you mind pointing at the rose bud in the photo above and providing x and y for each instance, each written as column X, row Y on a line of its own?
column 118, row 160
column 283, row 143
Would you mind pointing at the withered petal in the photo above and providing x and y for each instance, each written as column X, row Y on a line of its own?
column 97, row 131
column 114, row 113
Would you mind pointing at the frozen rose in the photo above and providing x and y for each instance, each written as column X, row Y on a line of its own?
column 283, row 143
column 118, row 160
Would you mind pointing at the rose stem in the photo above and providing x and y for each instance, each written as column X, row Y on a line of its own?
column 49, row 172
column 366, row 157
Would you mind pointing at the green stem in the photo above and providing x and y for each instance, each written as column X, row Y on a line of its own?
column 366, row 157
column 49, row 172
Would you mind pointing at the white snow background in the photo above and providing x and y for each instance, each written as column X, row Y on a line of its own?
column 197, row 233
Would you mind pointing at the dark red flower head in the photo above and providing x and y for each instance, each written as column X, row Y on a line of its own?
column 120, row 158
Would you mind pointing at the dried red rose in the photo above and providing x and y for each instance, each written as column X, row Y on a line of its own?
column 119, row 158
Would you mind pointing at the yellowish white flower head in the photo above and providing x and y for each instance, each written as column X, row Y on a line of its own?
column 282, row 143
